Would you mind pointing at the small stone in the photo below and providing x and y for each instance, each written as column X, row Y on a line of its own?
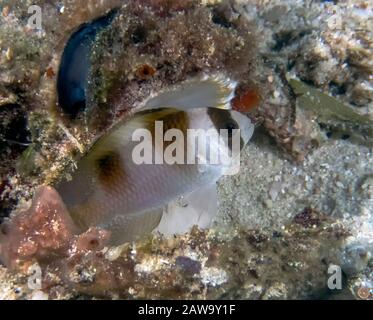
column 188, row 265
column 6, row 11
column 9, row 54
column 275, row 190
column 60, row 8
column 276, row 291
column 268, row 203
column 39, row 295
column 339, row 184
column 213, row 276
column 114, row 253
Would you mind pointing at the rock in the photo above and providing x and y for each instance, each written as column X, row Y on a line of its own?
column 322, row 214
column 41, row 232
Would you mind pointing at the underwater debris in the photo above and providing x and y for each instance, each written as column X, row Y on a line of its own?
column 316, row 117
column 72, row 79
column 326, row 110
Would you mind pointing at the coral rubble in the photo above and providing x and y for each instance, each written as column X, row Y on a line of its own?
column 304, row 71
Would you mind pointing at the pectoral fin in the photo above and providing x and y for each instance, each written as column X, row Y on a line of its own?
column 195, row 209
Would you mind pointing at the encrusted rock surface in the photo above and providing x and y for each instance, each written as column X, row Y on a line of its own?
column 249, row 264
column 300, row 202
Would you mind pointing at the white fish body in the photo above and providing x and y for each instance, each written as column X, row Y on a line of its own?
column 109, row 190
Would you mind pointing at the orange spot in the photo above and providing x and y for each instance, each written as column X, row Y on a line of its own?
column 246, row 100
column 50, row 72
column 145, row 72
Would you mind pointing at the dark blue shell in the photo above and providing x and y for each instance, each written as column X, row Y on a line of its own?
column 73, row 73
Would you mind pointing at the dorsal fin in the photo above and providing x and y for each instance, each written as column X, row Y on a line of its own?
column 201, row 92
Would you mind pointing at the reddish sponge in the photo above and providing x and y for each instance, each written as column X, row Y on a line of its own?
column 42, row 232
